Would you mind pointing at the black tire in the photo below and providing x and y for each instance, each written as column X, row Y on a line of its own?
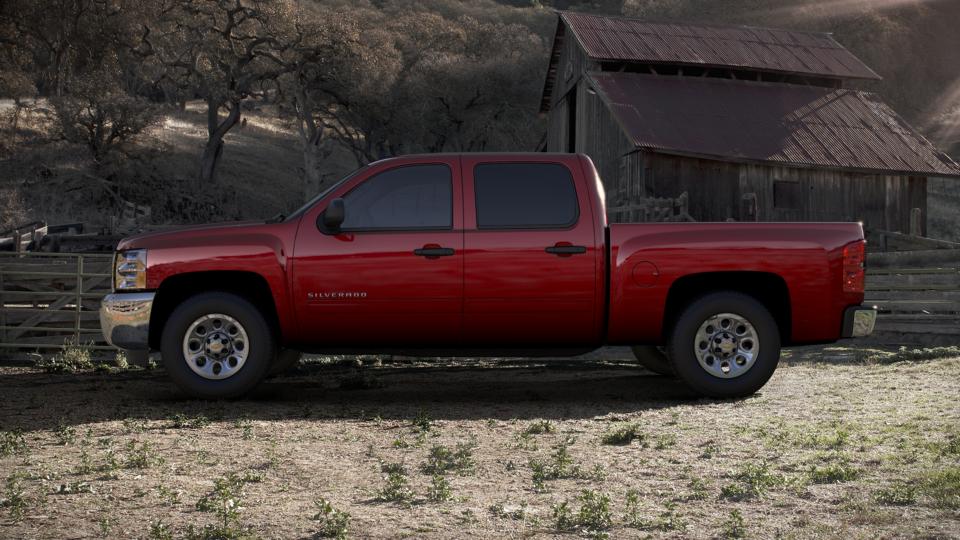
column 653, row 359
column 260, row 355
column 286, row 359
column 682, row 343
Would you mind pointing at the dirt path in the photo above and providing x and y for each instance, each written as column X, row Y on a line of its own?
column 830, row 448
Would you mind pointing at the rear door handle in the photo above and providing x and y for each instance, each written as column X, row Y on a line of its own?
column 433, row 252
column 566, row 250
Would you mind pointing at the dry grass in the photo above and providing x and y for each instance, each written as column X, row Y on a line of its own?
column 833, row 447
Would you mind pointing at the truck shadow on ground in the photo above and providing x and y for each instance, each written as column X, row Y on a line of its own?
column 448, row 390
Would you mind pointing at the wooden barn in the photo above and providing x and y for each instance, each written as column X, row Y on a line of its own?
column 752, row 124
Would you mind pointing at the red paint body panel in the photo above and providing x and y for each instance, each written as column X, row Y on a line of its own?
column 500, row 288
column 807, row 256
column 517, row 294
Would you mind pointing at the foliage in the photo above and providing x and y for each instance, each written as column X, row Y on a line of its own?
column 443, row 459
column 71, row 358
column 593, row 517
column 623, row 434
column 101, row 116
column 332, row 523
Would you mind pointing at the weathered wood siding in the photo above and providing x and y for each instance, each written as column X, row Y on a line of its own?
column 600, row 137
column 716, row 190
column 573, row 64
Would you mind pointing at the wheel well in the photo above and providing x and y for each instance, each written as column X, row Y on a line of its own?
column 175, row 289
column 768, row 289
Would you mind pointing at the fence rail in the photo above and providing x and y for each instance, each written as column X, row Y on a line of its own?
column 47, row 299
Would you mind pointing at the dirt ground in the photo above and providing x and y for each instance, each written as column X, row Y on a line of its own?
column 833, row 447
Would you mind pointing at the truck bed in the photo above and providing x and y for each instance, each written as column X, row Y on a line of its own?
column 650, row 263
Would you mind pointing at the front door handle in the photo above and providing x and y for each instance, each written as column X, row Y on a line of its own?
column 432, row 252
column 562, row 250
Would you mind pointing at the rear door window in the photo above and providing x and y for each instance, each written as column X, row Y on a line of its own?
column 525, row 196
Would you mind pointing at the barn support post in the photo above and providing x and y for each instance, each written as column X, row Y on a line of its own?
column 76, row 325
column 916, row 222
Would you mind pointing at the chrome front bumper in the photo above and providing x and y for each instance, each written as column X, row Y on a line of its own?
column 858, row 321
column 125, row 319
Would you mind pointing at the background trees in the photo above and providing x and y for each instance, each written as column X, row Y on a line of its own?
column 170, row 84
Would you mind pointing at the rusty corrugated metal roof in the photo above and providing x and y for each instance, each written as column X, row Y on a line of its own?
column 765, row 122
column 742, row 47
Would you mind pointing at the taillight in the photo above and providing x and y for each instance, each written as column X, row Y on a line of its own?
column 853, row 267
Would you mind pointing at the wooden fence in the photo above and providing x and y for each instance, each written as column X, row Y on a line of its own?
column 47, row 299
column 918, row 295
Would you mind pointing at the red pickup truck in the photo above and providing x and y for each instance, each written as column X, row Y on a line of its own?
column 483, row 254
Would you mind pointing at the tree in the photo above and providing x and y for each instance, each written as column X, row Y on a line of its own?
column 97, row 113
column 222, row 51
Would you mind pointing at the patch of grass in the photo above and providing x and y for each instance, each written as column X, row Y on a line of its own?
column 665, row 441
column 332, row 523
column 593, row 518
column 246, row 428
column 753, row 481
column 623, row 434
column 182, row 421
column 159, row 531
column 943, row 488
column 838, row 469
column 443, row 459
column 141, row 455
column 74, row 488
column 439, row 490
column 710, row 450
column 421, row 423
column 12, row 443
column 734, row 527
column 899, row 494
column 396, row 484
column 915, row 355
column 65, row 433
column 226, row 502
column 504, row 511
column 14, row 497
column 134, row 425
column 560, row 465
column 71, row 358
column 668, row 520
column 170, row 497
column 540, row 427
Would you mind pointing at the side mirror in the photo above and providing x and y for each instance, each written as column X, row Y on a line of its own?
column 333, row 216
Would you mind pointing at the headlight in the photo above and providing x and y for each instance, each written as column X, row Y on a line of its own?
column 130, row 270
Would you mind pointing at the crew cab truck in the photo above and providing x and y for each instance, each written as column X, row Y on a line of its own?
column 483, row 254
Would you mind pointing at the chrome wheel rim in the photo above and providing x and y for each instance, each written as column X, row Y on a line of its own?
column 726, row 345
column 215, row 346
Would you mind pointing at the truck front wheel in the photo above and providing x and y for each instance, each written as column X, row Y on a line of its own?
column 725, row 345
column 217, row 345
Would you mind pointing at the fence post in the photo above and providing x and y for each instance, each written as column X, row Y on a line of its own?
column 3, row 310
column 76, row 326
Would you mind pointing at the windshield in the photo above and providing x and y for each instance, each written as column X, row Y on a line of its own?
column 300, row 211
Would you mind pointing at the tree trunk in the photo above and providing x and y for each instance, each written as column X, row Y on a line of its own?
column 216, row 131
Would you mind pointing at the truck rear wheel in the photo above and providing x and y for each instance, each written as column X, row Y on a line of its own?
column 653, row 359
column 217, row 345
column 725, row 345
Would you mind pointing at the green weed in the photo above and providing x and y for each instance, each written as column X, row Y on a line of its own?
column 623, row 434
column 333, row 523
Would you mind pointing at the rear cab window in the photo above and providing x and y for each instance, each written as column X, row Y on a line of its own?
column 525, row 196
